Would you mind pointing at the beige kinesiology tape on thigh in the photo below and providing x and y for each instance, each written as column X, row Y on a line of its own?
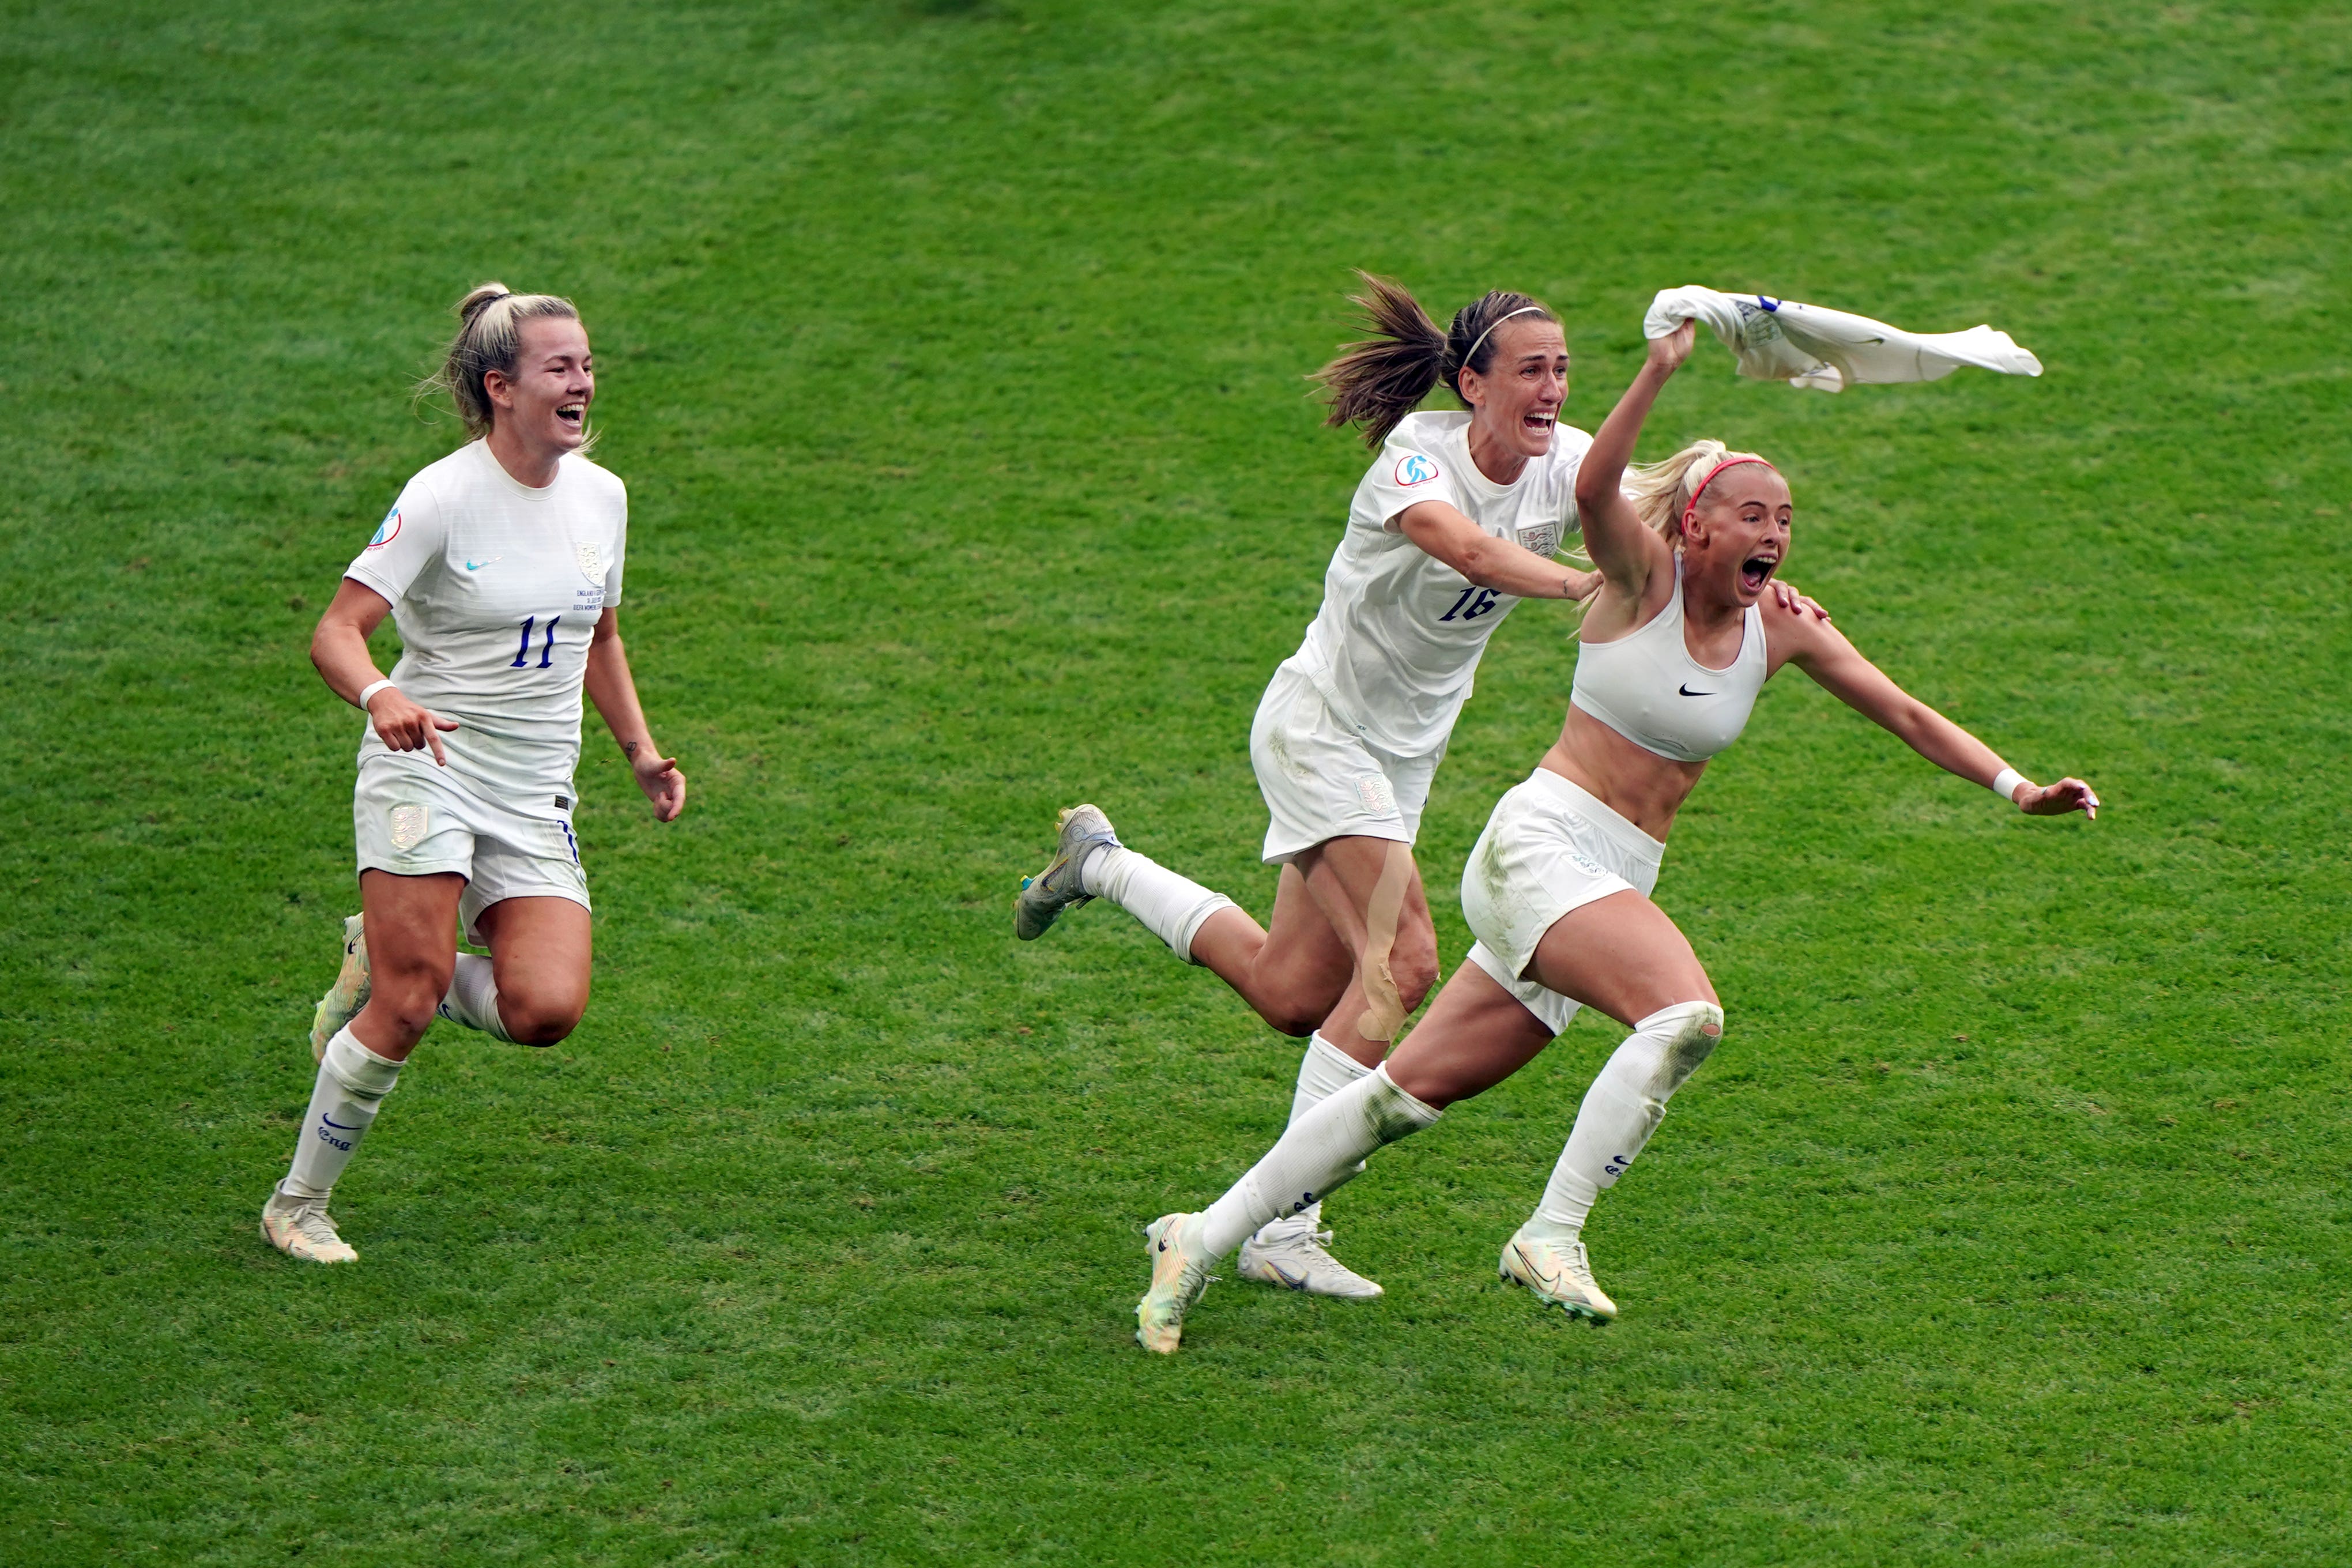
column 1383, row 1005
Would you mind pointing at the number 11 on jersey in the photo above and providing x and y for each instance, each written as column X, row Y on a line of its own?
column 546, row 648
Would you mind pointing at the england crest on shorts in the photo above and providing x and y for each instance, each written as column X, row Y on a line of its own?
column 1374, row 791
column 407, row 828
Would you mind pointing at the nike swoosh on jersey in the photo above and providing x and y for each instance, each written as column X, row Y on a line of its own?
column 1686, row 692
column 478, row 565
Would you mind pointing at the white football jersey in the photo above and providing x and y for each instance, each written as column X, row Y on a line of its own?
column 496, row 588
column 1397, row 641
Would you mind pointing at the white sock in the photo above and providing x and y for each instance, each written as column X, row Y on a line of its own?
column 1621, row 1109
column 1323, row 1071
column 352, row 1082
column 1171, row 908
column 473, row 999
column 1321, row 1152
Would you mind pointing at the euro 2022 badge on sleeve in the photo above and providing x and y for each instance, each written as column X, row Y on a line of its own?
column 387, row 531
column 1413, row 468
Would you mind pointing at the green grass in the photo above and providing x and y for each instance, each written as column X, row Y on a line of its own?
column 951, row 352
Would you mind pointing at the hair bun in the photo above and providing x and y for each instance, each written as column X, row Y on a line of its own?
column 480, row 298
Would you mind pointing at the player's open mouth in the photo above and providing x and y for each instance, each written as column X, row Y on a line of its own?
column 572, row 414
column 1757, row 570
column 1539, row 423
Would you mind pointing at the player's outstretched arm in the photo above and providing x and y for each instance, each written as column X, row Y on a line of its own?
column 1626, row 553
column 339, row 647
column 615, row 692
column 1441, row 529
column 1821, row 651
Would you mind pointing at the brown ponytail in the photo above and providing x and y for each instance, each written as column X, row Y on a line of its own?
column 1379, row 380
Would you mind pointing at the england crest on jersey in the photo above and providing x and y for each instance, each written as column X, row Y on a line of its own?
column 1543, row 538
column 592, row 563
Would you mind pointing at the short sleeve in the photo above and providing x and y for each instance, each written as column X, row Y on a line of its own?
column 1404, row 476
column 620, row 553
column 410, row 537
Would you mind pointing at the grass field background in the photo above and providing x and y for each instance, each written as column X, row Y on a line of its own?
column 952, row 355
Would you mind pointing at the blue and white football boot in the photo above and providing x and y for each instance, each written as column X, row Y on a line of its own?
column 1083, row 830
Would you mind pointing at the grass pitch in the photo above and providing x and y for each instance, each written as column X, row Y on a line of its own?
column 952, row 353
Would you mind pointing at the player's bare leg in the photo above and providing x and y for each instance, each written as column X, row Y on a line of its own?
column 533, row 987
column 1355, row 915
column 1623, row 956
column 410, row 925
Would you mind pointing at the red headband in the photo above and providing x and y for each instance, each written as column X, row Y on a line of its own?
column 1692, row 510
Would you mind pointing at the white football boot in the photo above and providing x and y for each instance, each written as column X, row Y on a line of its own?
column 348, row 995
column 1290, row 1253
column 1557, row 1272
column 300, row 1227
column 1083, row 829
column 1176, row 1281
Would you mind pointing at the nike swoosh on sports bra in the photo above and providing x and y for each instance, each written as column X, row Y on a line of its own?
column 1648, row 688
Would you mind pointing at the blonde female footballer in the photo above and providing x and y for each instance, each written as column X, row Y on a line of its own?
column 1679, row 641
column 502, row 566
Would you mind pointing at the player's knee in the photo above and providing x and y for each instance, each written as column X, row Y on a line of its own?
column 544, row 1027
column 1413, row 967
column 540, row 1020
column 407, row 1000
column 1295, row 1022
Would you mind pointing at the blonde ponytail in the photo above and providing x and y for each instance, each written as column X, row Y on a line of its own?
column 490, row 338
column 1661, row 492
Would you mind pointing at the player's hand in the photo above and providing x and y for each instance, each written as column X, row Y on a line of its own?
column 2059, row 799
column 1787, row 596
column 405, row 727
column 1581, row 586
column 664, row 785
column 1667, row 353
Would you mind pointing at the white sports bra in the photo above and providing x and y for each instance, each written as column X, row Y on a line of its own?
column 1648, row 688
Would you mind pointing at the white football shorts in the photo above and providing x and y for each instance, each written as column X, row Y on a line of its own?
column 1321, row 780
column 1549, row 848
column 413, row 817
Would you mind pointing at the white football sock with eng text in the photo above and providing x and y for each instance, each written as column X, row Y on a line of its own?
column 1622, row 1108
column 353, row 1081
column 1322, row 1150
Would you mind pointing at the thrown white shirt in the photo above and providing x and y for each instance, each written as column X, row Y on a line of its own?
column 1826, row 351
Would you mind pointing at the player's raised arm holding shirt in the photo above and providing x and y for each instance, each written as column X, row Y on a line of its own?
column 1458, row 518
column 1678, row 643
column 502, row 566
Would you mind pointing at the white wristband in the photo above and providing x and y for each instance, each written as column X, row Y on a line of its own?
column 2006, row 785
column 367, row 693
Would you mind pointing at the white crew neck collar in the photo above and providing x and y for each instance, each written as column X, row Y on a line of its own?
column 528, row 492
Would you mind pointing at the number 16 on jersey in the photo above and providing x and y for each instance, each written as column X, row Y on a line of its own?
column 1479, row 605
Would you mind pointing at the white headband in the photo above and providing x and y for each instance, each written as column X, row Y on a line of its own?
column 1490, row 329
